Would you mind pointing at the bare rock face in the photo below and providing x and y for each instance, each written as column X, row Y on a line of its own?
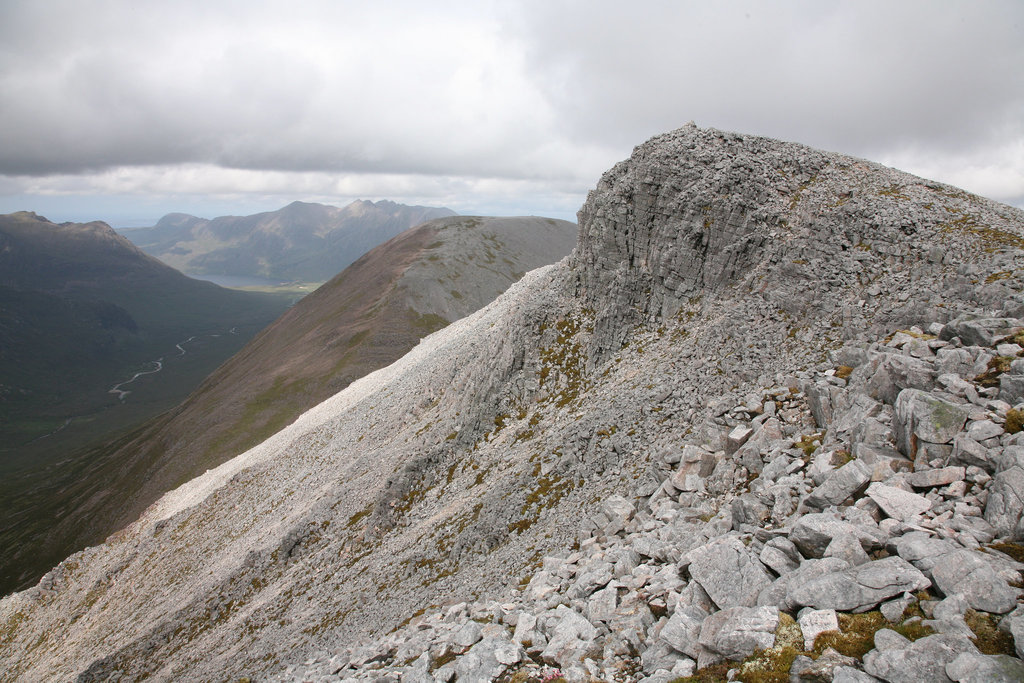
column 570, row 464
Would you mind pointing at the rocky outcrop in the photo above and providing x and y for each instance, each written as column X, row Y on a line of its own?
column 558, row 480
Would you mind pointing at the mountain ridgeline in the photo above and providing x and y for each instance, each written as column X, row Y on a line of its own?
column 84, row 309
column 366, row 317
column 303, row 241
column 646, row 458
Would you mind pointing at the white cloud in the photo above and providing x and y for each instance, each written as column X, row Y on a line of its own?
column 522, row 104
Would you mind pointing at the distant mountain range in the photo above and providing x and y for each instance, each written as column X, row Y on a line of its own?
column 303, row 241
column 366, row 317
column 82, row 309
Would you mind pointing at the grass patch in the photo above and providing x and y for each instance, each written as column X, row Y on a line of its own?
column 987, row 636
column 1014, row 423
column 996, row 367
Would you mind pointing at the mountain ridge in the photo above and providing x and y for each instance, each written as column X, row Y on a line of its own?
column 710, row 266
column 365, row 317
column 127, row 308
column 303, row 241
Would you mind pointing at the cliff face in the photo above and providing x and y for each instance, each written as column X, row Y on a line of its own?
column 711, row 270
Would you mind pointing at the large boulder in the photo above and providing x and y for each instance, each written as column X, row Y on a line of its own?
column 921, row 416
column 979, row 331
column 728, row 571
column 921, row 660
column 735, row 633
column 1006, row 503
column 859, row 588
column 966, row 573
column 812, row 533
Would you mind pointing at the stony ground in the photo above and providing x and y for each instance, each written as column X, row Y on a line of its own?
column 858, row 524
column 769, row 397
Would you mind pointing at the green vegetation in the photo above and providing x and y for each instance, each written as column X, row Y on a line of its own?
column 1014, row 420
column 996, row 367
column 809, row 443
column 844, row 372
column 987, row 636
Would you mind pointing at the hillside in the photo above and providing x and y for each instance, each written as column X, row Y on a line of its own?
column 83, row 310
column 366, row 317
column 302, row 242
column 691, row 439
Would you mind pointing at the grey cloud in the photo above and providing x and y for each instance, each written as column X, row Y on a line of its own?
column 542, row 91
column 851, row 77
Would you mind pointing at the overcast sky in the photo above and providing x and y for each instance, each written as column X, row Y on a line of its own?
column 124, row 110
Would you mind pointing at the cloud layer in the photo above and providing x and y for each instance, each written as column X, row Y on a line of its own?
column 494, row 106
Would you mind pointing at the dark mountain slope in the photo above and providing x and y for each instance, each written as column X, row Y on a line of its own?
column 363, row 319
column 303, row 241
column 83, row 309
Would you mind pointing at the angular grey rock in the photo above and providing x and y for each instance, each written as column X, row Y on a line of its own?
column 970, row 667
column 815, row 622
column 488, row 659
column 1006, row 503
column 954, row 605
column 728, row 571
column 982, row 430
column 735, row 632
column 737, row 437
column 776, row 593
column 804, row 669
column 887, row 639
column 470, row 633
column 682, row 631
column 840, row 485
column 1011, row 389
column 936, row 477
column 572, row 638
column 859, row 588
column 978, row 331
column 618, row 511
column 1015, row 625
column 968, row 452
column 966, row 573
column 921, row 660
column 601, row 606
column 847, row 547
column 748, row 510
column 924, row 551
column 921, row 416
column 812, row 533
column 893, row 609
column 897, row 503
column 847, row 674
column 780, row 555
column 895, row 373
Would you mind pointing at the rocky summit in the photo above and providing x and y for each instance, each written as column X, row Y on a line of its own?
column 763, row 424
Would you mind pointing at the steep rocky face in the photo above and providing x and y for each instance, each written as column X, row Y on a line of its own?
column 559, row 410
column 695, row 211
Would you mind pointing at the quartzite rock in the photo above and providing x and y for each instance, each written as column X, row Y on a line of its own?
column 859, row 588
column 921, row 416
column 921, row 660
column 735, row 632
column 1006, row 504
column 897, row 503
column 730, row 574
column 965, row 573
